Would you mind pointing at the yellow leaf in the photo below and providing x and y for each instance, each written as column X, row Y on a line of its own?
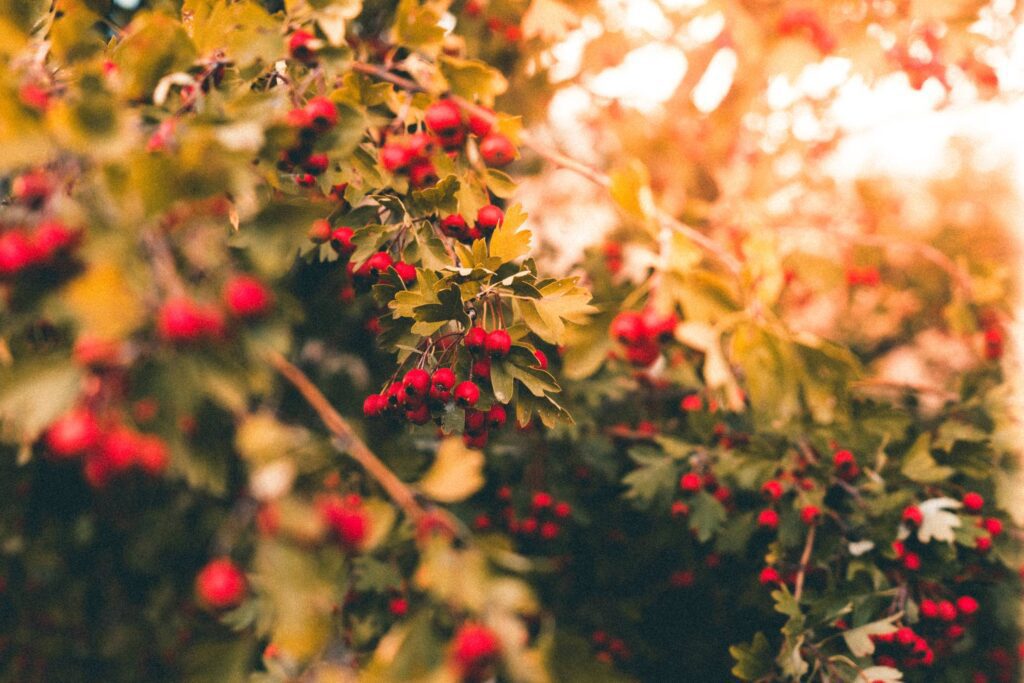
column 455, row 474
column 382, row 519
column 104, row 303
column 508, row 242
column 631, row 189
column 547, row 19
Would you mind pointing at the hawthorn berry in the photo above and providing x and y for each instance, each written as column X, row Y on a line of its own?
column 302, row 46
column 467, row 393
column 341, row 240
column 498, row 343
column 51, row 237
column 480, row 125
column 247, row 297
column 475, row 440
column 973, row 502
column 905, row 636
column 947, row 611
column 690, row 482
column 152, row 455
column 375, row 265
column 549, row 531
column 73, row 433
column 443, row 117
column 679, row 509
column 417, row 382
column 346, row 517
column 542, row 500
column 181, row 319
column 643, row 355
column 475, row 421
column 316, row 164
column 475, row 339
column 912, row 561
column 628, row 328
column 374, row 405
column 929, row 609
column 320, row 231
column 398, row 606
column 422, row 174
column 966, row 605
column 488, row 218
column 993, row 526
column 406, row 271
column 983, row 544
column 769, row 575
column 768, row 518
column 691, row 403
column 442, row 379
column 220, row 584
column 16, row 253
column 497, row 150
column 772, row 489
column 659, row 326
column 323, row 114
column 481, row 368
column 454, row 226
column 496, row 416
column 809, row 514
column 912, row 515
column 394, row 156
column 420, row 415
column 562, row 510
column 474, row 648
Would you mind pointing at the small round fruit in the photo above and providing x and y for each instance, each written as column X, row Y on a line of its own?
column 394, row 156
column 480, row 125
column 497, row 150
column 496, row 416
column 475, row 422
column 498, row 343
column 628, row 328
column 690, row 482
column 417, row 382
column 420, row 415
column 247, row 297
column 454, row 226
column 443, row 117
column 221, row 584
column 341, row 240
column 475, row 338
column 973, row 502
column 374, row 405
column 423, row 174
column 443, row 379
column 73, row 434
column 474, row 648
column 406, row 271
column 488, row 218
column 320, row 231
column 768, row 518
column 323, row 113
column 467, row 393
column 302, row 46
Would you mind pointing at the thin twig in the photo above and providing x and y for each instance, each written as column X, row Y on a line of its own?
column 350, row 441
column 798, row 589
column 556, row 157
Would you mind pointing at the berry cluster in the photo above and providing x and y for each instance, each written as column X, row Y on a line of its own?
column 107, row 448
column 487, row 219
column 507, row 30
column 48, row 243
column 610, row 650
column 309, row 123
column 544, row 519
column 642, row 333
column 182, row 319
column 449, row 129
column 422, row 395
column 346, row 517
column 942, row 624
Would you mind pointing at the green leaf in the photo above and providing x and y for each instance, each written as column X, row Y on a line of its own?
column 920, row 466
column 418, row 25
column 33, row 394
column 753, row 661
column 155, row 45
column 244, row 31
column 653, row 483
column 376, row 576
column 502, row 380
column 470, row 78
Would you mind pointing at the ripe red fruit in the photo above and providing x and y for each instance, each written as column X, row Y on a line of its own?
column 929, row 609
column 16, row 253
column 398, row 606
column 220, row 584
column 420, row 415
column 768, row 519
column 562, row 510
column 983, row 544
column 341, row 240
column 467, row 394
column 912, row 515
column 417, row 382
column 375, row 265
column 31, row 187
column 443, row 379
column 315, row 164
column 496, row 416
column 73, row 434
column 542, row 499
column 475, row 422
column 628, row 328
column 320, row 231
column 346, row 517
column 690, row 482
column 679, row 509
column 406, row 271
column 181, row 319
column 51, row 237
column 973, row 502
column 475, row 338
column 659, row 326
column 247, row 297
column 691, row 403
column 488, row 218
column 152, row 455
column 498, row 343
column 912, row 561
column 454, row 226
column 395, row 156
column 966, row 605
column 809, row 514
column 95, row 351
column 542, row 359
column 993, row 526
column 947, row 611
column 479, row 125
column 845, row 464
column 769, row 575
column 475, row 440
column 120, row 448
column 905, row 636
column 497, row 150
column 302, row 45
column 422, row 174
column 643, row 354
column 549, row 531
column 474, row 648
column 481, row 368
column 323, row 113
column 772, row 489
column 374, row 405
column 443, row 117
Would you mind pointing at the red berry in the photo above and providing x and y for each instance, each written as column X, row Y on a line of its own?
column 809, row 514
column 302, row 45
column 320, row 231
column 549, row 531
column 323, row 113
column 73, row 434
column 31, row 187
column 628, row 328
column 181, row 319
column 993, row 526
column 220, row 584
column 375, row 265
column 691, row 403
column 341, row 240
column 406, row 271
column 152, row 455
column 488, row 218
column 966, row 605
column 479, row 125
column 420, row 415
column 497, row 150
column 929, row 609
column 769, row 575
column 772, row 489
column 542, row 359
column 912, row 561
column 475, row 440
column 475, row 338
column 475, row 422
column 474, row 648
column 481, row 368
column 912, row 515
column 657, row 325
column 443, row 117
column 395, row 156
column 467, row 394
column 16, row 253
column 498, row 343
column 690, row 482
column 443, row 379
column 417, row 382
column 247, row 297
column 768, row 519
column 454, row 141
column 562, row 510
column 947, row 611
column 398, row 606
column 679, row 509
column 983, row 544
column 973, row 502
column 454, row 226
column 643, row 354
column 542, row 499
column 843, row 459
column 422, row 174
column 496, row 416
column 51, row 237
column 346, row 517
column 374, row 405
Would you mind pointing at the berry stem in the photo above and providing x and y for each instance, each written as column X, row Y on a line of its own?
column 805, row 557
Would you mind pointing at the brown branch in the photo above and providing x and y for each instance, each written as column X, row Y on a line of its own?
column 350, row 442
column 561, row 160
column 805, row 557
